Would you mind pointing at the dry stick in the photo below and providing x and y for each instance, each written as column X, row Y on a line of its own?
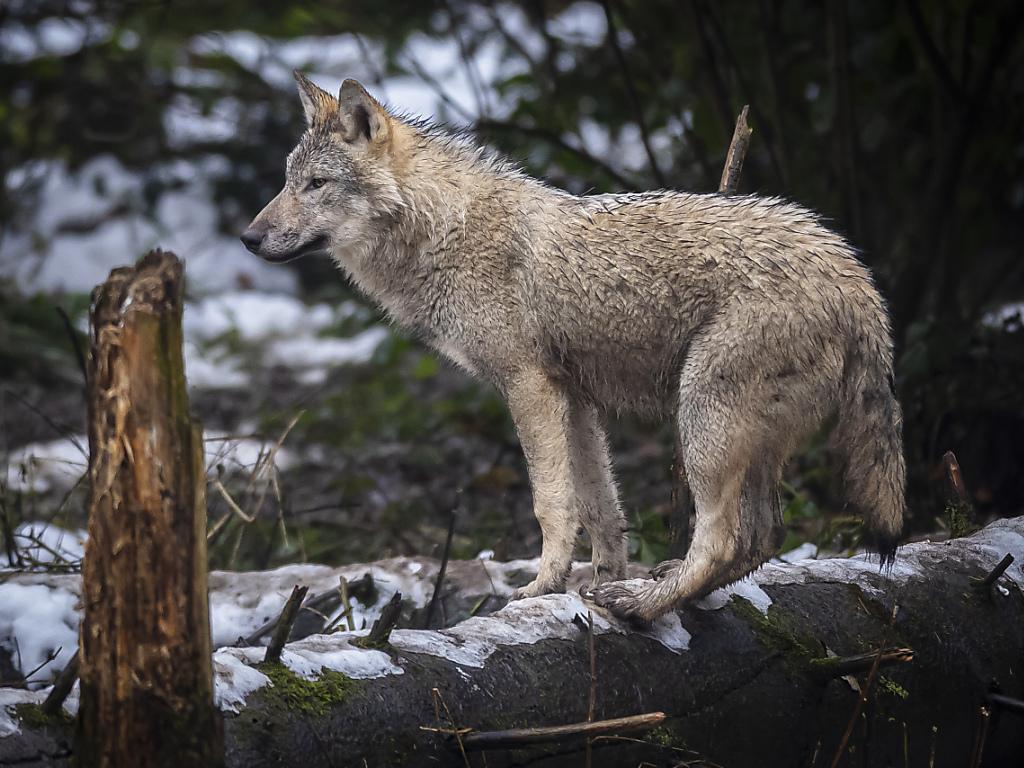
column 737, row 153
column 456, row 731
column 518, row 737
column 995, row 573
column 985, row 720
column 380, row 632
column 830, row 668
column 955, row 477
column 1008, row 703
column 284, row 624
column 593, row 682
column 313, row 603
column 862, row 699
column 61, row 687
column 441, row 571
column 76, row 343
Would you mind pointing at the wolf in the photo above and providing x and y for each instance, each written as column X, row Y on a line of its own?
column 743, row 318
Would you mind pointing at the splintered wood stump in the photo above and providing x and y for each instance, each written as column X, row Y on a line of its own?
column 146, row 675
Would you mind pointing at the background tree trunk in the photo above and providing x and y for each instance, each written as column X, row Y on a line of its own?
column 146, row 676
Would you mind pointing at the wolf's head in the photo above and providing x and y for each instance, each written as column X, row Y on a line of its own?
column 339, row 182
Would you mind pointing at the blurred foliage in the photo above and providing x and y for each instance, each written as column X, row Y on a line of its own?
column 903, row 123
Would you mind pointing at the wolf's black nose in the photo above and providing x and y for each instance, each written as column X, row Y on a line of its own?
column 253, row 239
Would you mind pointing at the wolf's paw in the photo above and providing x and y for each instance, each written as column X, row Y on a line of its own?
column 604, row 573
column 624, row 599
column 664, row 568
column 536, row 588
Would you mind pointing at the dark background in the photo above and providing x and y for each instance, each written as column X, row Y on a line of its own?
column 901, row 122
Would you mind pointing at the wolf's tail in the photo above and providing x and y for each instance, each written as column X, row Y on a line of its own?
column 869, row 439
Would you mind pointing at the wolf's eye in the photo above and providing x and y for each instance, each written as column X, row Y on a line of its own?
column 316, row 183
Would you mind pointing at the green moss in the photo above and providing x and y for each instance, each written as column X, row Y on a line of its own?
column 32, row 715
column 776, row 632
column 893, row 688
column 958, row 519
column 314, row 698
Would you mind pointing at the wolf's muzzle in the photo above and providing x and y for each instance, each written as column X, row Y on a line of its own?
column 253, row 239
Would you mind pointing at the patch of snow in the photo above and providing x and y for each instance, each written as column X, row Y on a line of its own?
column 1009, row 317
column 670, row 632
column 45, row 466
column 485, row 554
column 36, row 620
column 318, row 354
column 747, row 588
column 806, row 551
column 41, row 543
column 234, row 680
column 235, row 677
column 9, row 699
column 242, row 452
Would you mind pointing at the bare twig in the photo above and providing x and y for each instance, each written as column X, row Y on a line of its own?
column 863, row 697
column 981, row 736
column 455, row 730
column 555, row 140
column 380, row 632
column 986, row 583
column 955, row 477
column 1008, row 703
column 829, row 668
column 76, row 344
column 61, row 687
column 592, row 704
column 232, row 505
column 737, row 153
column 518, row 737
column 284, row 624
column 444, row 566
column 634, row 97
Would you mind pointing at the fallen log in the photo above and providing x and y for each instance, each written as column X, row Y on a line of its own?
column 767, row 672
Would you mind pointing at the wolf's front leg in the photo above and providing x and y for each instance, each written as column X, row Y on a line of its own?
column 540, row 410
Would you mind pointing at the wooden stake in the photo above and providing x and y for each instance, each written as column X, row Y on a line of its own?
column 283, row 628
column 146, row 673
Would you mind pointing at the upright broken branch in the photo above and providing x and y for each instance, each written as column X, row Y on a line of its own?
column 146, row 675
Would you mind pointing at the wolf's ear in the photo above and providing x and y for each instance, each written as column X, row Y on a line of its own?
column 362, row 116
column 316, row 102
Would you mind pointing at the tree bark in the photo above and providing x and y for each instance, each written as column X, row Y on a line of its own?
column 758, row 684
column 146, row 676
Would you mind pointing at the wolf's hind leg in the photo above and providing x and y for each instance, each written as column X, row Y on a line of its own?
column 597, row 500
column 540, row 410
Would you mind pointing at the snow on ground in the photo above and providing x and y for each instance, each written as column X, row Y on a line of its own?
column 39, row 612
column 46, row 466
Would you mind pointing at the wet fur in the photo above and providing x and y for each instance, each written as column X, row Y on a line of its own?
column 742, row 318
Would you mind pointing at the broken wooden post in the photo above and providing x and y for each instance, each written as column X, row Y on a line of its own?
column 146, row 675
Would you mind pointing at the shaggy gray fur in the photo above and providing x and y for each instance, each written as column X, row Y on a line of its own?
column 743, row 317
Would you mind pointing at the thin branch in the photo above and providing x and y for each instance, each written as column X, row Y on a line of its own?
column 936, row 60
column 634, row 97
column 61, row 687
column 831, row 668
column 519, row 737
column 556, row 140
column 444, row 567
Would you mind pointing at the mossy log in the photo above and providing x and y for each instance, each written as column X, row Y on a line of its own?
column 146, row 676
column 768, row 673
